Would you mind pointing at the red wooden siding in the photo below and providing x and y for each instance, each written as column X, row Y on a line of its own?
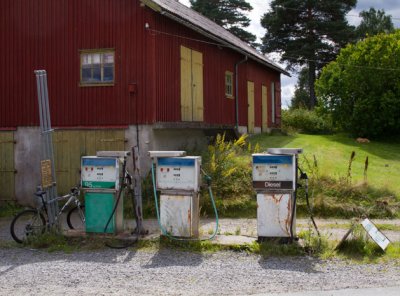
column 48, row 35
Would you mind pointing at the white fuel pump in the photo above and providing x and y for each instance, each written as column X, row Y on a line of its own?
column 178, row 177
column 275, row 181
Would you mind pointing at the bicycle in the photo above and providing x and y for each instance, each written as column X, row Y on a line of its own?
column 34, row 221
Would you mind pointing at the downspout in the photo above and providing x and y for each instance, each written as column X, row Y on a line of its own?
column 237, row 91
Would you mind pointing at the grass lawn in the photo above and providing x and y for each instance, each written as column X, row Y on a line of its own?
column 333, row 153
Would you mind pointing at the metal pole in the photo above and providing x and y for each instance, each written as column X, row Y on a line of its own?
column 47, row 142
column 137, row 190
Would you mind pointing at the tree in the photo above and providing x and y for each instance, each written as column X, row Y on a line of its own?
column 361, row 89
column 374, row 22
column 229, row 14
column 307, row 32
column 301, row 98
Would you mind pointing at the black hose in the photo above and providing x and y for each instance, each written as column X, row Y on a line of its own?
column 123, row 185
column 310, row 210
column 305, row 177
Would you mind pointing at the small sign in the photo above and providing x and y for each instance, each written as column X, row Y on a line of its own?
column 375, row 234
column 47, row 177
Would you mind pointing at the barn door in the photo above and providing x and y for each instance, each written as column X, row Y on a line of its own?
column 197, row 74
column 191, row 85
column 70, row 146
column 264, row 109
column 250, row 112
column 7, row 169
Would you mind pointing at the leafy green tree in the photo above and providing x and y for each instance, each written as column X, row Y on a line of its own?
column 361, row 89
column 307, row 32
column 374, row 22
column 229, row 14
column 301, row 98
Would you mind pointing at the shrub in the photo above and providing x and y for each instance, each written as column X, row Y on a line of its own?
column 305, row 121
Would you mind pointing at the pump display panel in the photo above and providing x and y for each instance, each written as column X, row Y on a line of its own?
column 100, row 172
column 274, row 172
column 178, row 173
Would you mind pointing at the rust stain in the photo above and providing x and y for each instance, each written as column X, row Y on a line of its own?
column 277, row 199
column 189, row 217
column 288, row 217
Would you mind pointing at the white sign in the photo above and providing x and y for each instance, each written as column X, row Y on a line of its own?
column 375, row 234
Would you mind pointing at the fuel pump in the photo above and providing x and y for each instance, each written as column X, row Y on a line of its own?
column 275, row 181
column 178, row 178
column 101, row 184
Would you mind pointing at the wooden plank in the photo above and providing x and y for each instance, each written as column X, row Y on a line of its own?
column 186, row 84
column 264, row 109
column 250, row 101
column 7, row 168
column 197, row 84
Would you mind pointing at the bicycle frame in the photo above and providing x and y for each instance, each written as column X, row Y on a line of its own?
column 72, row 197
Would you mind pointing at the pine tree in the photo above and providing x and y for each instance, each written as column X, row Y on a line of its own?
column 229, row 14
column 307, row 32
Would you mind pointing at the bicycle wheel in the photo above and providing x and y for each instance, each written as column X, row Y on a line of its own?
column 76, row 218
column 26, row 224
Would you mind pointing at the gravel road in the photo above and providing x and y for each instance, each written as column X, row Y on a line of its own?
column 170, row 272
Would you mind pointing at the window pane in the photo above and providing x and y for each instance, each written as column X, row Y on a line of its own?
column 96, row 58
column 108, row 73
column 108, row 58
column 96, row 73
column 85, row 59
column 86, row 74
column 228, row 84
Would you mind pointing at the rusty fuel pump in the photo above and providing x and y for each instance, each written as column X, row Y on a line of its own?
column 275, row 181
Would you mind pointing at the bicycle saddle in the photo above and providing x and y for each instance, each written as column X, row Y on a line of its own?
column 40, row 193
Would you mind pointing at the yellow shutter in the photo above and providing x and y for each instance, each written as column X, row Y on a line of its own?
column 250, row 113
column 264, row 109
column 197, row 84
column 186, row 84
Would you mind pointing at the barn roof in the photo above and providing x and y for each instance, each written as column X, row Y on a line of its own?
column 190, row 18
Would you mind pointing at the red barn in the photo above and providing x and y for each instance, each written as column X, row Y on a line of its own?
column 119, row 73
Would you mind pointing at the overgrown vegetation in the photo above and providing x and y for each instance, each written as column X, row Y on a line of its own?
column 360, row 247
column 305, row 121
column 226, row 162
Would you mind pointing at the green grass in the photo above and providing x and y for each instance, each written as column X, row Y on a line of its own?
column 333, row 153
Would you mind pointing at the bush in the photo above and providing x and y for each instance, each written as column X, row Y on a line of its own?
column 305, row 121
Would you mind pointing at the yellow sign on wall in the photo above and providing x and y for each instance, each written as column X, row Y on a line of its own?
column 47, row 177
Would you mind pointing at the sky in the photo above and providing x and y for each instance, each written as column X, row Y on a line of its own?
column 391, row 7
